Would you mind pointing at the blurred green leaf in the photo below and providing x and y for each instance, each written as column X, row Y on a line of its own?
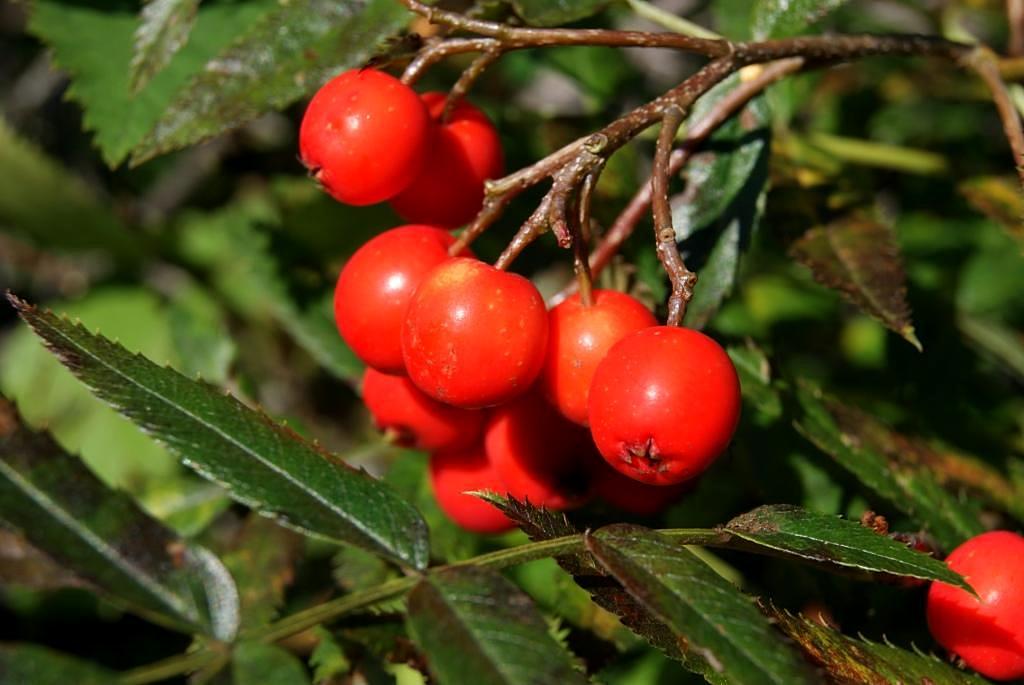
column 260, row 462
column 755, row 379
column 476, row 626
column 94, row 43
column 54, row 209
column 290, row 52
column 255, row 663
column 833, row 540
column 200, row 334
column 163, row 29
column 782, row 18
column 913, row 491
column 858, row 256
column 849, row 660
column 23, row 565
column 997, row 340
column 1000, row 199
column 328, row 659
column 36, row 665
column 715, row 623
column 555, row 12
column 717, row 276
column 60, row 507
column 262, row 561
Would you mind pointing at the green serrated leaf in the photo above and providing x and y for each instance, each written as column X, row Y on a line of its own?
column 476, row 626
column 859, row 257
column 36, row 665
column 64, row 510
column 258, row 461
column 716, row 624
column 782, row 18
column 832, row 540
column 94, row 42
column 848, row 660
column 163, row 29
column 255, row 663
column 913, row 491
column 555, row 12
column 541, row 524
column 287, row 54
column 53, row 209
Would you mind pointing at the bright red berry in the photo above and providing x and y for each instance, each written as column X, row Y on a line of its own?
column 418, row 421
column 986, row 631
column 664, row 404
column 579, row 337
column 376, row 285
column 632, row 496
column 364, row 136
column 454, row 473
column 463, row 152
column 538, row 454
column 474, row 336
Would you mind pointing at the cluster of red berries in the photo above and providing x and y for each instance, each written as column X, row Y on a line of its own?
column 466, row 362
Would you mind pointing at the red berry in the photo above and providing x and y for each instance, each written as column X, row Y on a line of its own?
column 632, row 496
column 452, row 474
column 986, row 631
column 579, row 337
column 419, row 421
column 364, row 136
column 463, row 152
column 474, row 336
column 664, row 404
column 540, row 456
column 376, row 285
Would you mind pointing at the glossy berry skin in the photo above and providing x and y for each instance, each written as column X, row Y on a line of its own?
column 634, row 497
column 664, row 404
column 364, row 136
column 376, row 285
column 579, row 337
column 474, row 336
column 987, row 631
column 455, row 472
column 418, row 421
column 538, row 454
column 463, row 152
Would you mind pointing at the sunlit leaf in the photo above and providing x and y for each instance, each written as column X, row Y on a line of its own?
column 858, row 256
column 258, row 461
column 781, row 18
column 163, row 29
column 289, row 53
column 64, row 510
column 832, row 540
column 475, row 626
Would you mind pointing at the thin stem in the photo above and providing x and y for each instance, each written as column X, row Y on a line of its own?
column 670, row 21
column 517, row 37
column 1015, row 18
column 984, row 63
column 468, row 78
column 630, row 217
column 682, row 279
column 581, row 241
column 437, row 50
column 168, row 668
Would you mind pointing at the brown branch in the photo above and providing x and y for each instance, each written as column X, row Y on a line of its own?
column 469, row 77
column 985, row 64
column 721, row 112
column 683, row 280
column 1015, row 18
column 517, row 37
column 438, row 49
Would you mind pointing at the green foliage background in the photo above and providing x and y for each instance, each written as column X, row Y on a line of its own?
column 848, row 217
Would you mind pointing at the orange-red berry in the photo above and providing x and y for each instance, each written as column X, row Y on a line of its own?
column 456, row 472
